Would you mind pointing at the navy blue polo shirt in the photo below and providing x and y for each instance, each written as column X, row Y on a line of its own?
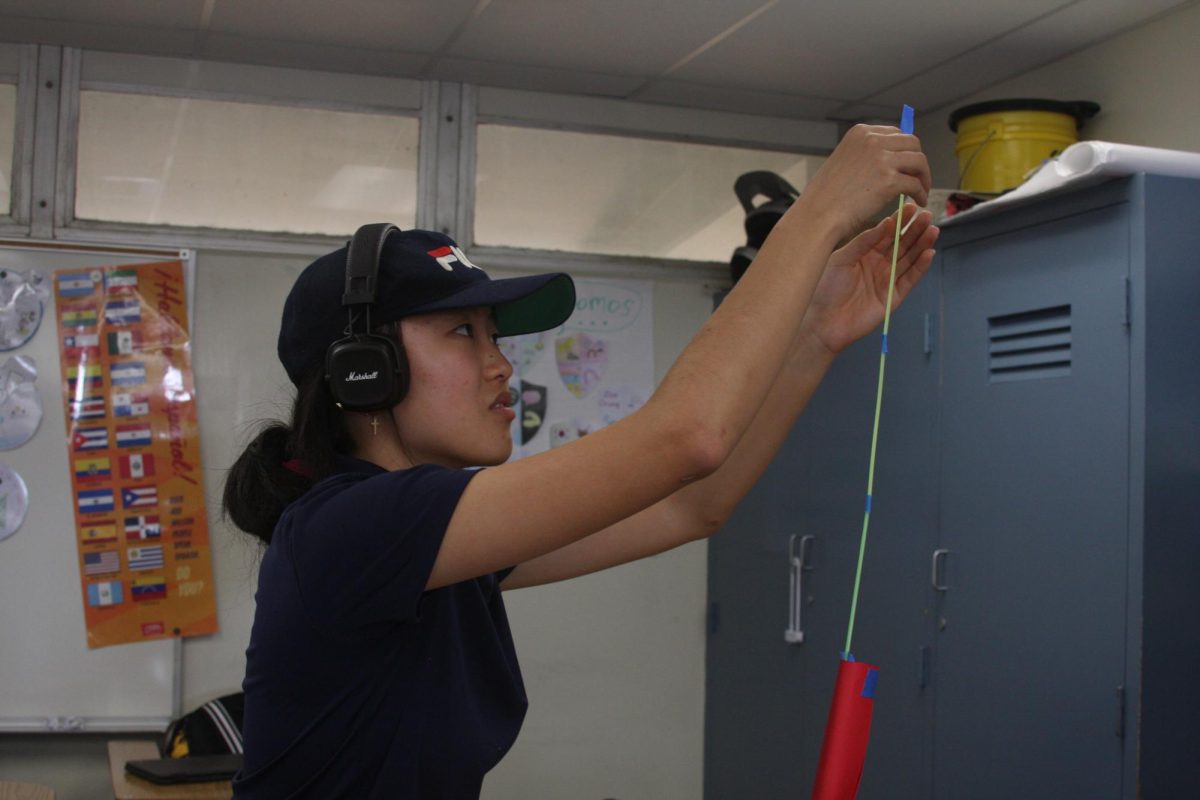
column 359, row 683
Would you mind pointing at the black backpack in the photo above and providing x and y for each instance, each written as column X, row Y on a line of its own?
column 214, row 728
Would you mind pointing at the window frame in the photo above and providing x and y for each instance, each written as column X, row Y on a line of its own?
column 18, row 67
column 448, row 113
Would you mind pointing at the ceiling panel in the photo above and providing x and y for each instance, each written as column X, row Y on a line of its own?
column 743, row 101
column 327, row 57
column 618, row 37
column 538, row 79
column 413, row 27
column 853, row 49
column 127, row 38
column 143, row 14
column 808, row 59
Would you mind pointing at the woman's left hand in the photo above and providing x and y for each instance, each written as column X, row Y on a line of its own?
column 849, row 300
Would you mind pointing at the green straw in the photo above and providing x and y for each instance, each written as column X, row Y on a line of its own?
column 887, row 318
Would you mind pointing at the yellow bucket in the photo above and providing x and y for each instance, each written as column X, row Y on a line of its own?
column 1000, row 141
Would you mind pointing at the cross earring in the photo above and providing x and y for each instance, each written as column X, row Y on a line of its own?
column 374, row 425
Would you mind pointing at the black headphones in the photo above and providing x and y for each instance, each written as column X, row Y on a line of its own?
column 365, row 371
column 759, row 220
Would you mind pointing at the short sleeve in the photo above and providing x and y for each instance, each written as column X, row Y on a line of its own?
column 363, row 552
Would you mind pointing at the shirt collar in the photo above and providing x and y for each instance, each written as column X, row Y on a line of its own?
column 346, row 463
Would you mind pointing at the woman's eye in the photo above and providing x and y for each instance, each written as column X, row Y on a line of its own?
column 496, row 339
column 464, row 330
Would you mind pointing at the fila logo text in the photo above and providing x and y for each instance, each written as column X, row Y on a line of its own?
column 446, row 256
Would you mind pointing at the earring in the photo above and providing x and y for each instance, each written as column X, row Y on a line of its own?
column 374, row 425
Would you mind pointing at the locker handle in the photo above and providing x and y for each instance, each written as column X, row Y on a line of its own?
column 797, row 566
column 936, row 568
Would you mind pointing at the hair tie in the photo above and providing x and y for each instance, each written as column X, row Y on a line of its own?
column 294, row 465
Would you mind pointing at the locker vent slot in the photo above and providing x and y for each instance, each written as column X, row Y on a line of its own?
column 1029, row 345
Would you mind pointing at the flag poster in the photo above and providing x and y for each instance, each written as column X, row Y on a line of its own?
column 141, row 531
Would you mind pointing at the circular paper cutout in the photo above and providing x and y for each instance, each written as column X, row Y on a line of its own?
column 20, row 306
column 14, row 502
column 20, row 402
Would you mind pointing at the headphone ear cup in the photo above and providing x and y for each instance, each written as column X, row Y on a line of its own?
column 366, row 373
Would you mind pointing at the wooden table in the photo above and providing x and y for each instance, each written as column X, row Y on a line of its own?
column 127, row 787
column 25, row 791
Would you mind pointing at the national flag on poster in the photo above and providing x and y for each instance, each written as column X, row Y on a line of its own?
column 93, row 469
column 143, row 527
column 107, row 593
column 88, row 407
column 131, row 405
column 137, row 465
column 79, row 317
column 81, row 341
column 138, row 496
column 123, row 311
column 151, row 587
column 120, row 279
column 76, row 284
column 134, row 435
column 90, row 374
column 128, row 373
column 81, row 348
column 90, row 439
column 122, row 343
column 103, row 563
column 104, row 530
column 143, row 558
column 92, row 501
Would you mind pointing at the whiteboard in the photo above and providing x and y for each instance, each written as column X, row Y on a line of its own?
column 49, row 679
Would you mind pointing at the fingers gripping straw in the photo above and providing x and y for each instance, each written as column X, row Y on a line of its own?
column 844, row 750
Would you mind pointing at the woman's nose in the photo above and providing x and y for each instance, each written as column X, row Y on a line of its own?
column 498, row 363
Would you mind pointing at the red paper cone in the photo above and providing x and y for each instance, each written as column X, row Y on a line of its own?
column 844, row 750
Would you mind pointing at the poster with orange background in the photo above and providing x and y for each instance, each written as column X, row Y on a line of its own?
column 134, row 448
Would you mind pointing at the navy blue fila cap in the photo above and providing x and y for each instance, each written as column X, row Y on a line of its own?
column 419, row 272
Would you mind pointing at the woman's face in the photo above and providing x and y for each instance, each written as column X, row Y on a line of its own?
column 456, row 412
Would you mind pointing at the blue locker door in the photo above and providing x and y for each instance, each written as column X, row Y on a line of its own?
column 767, row 700
column 1034, row 512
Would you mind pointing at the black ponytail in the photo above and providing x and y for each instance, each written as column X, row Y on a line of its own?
column 259, row 487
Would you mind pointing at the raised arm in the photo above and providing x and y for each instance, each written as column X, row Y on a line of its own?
column 848, row 304
column 704, row 406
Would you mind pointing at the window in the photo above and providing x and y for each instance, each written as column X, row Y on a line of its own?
column 157, row 160
column 592, row 193
column 8, row 125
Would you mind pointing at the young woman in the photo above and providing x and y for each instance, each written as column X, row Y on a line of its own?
column 380, row 662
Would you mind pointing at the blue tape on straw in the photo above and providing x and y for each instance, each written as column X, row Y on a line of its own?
column 885, row 342
column 869, row 683
column 868, row 504
column 906, row 120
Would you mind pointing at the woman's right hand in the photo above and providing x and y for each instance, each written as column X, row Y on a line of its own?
column 871, row 167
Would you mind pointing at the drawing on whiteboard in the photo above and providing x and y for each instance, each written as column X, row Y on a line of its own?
column 523, row 351
column 582, row 360
column 532, row 402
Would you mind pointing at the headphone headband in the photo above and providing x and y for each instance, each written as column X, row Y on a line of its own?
column 362, row 263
